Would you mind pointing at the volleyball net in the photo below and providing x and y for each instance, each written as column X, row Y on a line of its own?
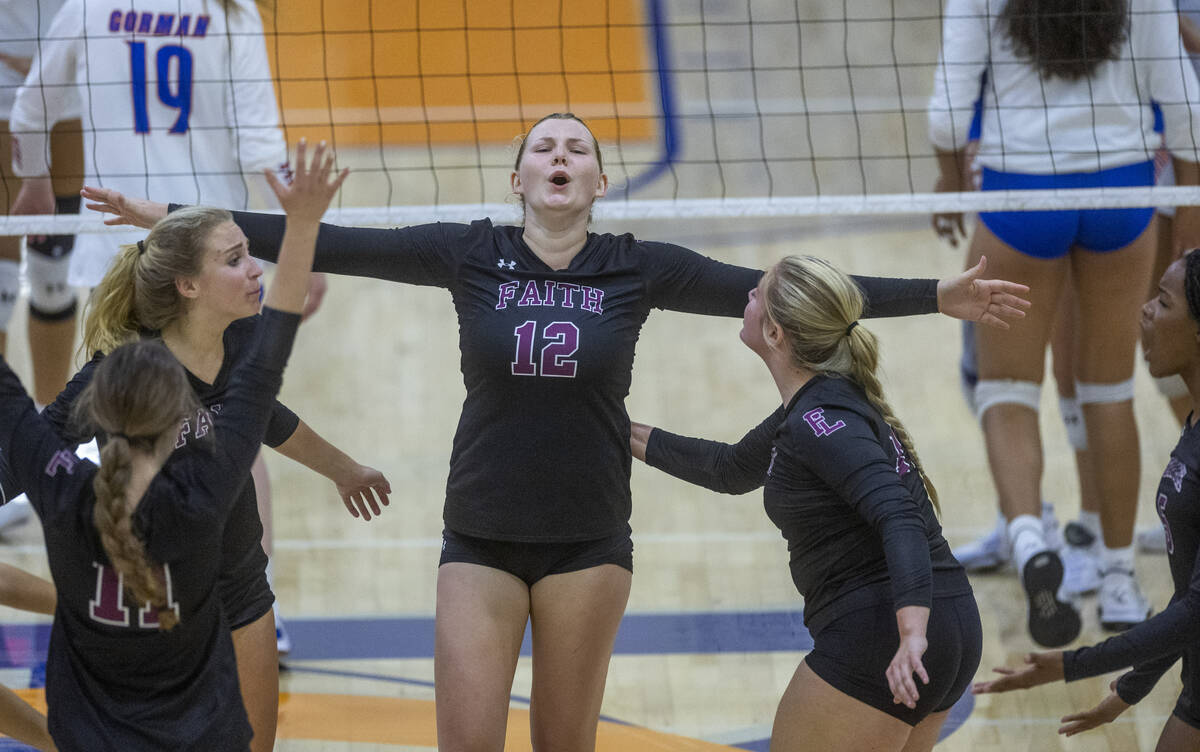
column 703, row 108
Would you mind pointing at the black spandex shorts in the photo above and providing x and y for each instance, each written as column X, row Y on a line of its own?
column 1186, row 708
column 242, row 586
column 531, row 562
column 852, row 654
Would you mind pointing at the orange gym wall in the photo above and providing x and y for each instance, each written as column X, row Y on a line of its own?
column 377, row 71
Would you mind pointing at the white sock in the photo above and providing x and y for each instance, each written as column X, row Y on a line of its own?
column 1118, row 558
column 1028, row 537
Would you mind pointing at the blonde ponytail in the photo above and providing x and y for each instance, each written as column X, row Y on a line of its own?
column 109, row 320
column 818, row 308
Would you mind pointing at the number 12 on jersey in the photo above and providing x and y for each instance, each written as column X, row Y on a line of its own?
column 180, row 98
column 562, row 340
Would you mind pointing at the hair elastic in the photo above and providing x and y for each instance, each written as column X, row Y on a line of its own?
column 141, row 247
column 851, row 327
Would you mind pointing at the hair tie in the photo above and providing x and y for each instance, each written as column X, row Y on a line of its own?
column 141, row 247
column 851, row 327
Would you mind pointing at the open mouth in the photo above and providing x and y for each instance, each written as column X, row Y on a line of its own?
column 560, row 178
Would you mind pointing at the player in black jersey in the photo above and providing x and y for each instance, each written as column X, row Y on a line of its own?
column 1171, row 342
column 844, row 485
column 140, row 654
column 192, row 284
column 538, row 501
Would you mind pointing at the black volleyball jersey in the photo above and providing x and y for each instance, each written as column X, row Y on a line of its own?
column 859, row 524
column 1153, row 646
column 541, row 452
column 241, row 551
column 114, row 681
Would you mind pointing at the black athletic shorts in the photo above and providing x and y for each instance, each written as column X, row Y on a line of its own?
column 242, row 586
column 852, row 654
column 531, row 562
column 1186, row 708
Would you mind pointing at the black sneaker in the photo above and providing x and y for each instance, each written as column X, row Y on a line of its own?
column 1052, row 622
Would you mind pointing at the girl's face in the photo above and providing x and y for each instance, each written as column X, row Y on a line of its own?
column 1170, row 337
column 230, row 281
column 752, row 320
column 559, row 169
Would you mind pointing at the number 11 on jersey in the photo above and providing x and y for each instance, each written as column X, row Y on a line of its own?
column 180, row 98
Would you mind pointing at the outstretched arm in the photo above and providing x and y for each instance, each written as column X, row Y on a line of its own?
column 362, row 489
column 725, row 468
column 19, row 720
column 28, row 592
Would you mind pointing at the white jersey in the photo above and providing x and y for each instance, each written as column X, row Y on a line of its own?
column 22, row 24
column 1058, row 126
column 177, row 100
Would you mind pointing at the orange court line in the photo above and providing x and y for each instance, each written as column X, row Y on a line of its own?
column 374, row 719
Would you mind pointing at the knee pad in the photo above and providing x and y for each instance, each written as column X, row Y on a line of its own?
column 1072, row 418
column 992, row 392
column 10, row 288
column 51, row 298
column 1171, row 386
column 1094, row 394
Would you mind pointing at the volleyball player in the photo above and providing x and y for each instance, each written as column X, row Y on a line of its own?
column 1171, row 341
column 140, row 654
column 883, row 597
column 193, row 286
column 1074, row 91
column 538, row 500
column 52, row 304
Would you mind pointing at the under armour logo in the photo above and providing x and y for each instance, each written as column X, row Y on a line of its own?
column 502, row 264
column 816, row 421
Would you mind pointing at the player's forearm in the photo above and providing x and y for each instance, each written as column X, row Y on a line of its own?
column 19, row 720
column 20, row 589
column 308, row 448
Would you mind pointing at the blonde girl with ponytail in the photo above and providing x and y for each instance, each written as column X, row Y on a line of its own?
column 896, row 630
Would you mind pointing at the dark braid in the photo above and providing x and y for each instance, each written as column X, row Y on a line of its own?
column 1191, row 283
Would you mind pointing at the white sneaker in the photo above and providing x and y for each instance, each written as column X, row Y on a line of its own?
column 1122, row 604
column 1152, row 540
column 1081, row 560
column 282, row 640
column 993, row 551
column 14, row 514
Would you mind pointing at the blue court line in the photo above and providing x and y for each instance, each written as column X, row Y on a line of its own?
column 639, row 634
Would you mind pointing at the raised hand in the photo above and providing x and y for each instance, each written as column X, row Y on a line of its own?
column 311, row 190
column 139, row 212
column 994, row 302
column 1040, row 668
column 1106, row 712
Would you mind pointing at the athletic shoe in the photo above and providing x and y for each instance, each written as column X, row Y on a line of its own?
column 1152, row 540
column 1081, row 560
column 14, row 514
column 1122, row 604
column 993, row 551
column 986, row 554
column 282, row 641
column 1053, row 621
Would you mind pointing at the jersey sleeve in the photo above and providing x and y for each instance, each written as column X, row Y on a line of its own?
column 48, row 94
column 1163, row 635
column 1157, row 48
column 725, row 468
column 40, row 463
column 241, row 425
column 418, row 255
column 680, row 279
column 839, row 446
column 281, row 426
column 1134, row 685
column 889, row 296
column 254, row 113
column 58, row 412
column 962, row 60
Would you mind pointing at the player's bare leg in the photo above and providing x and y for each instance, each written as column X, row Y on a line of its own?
column 480, row 622
column 575, row 616
column 258, row 675
column 814, row 716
